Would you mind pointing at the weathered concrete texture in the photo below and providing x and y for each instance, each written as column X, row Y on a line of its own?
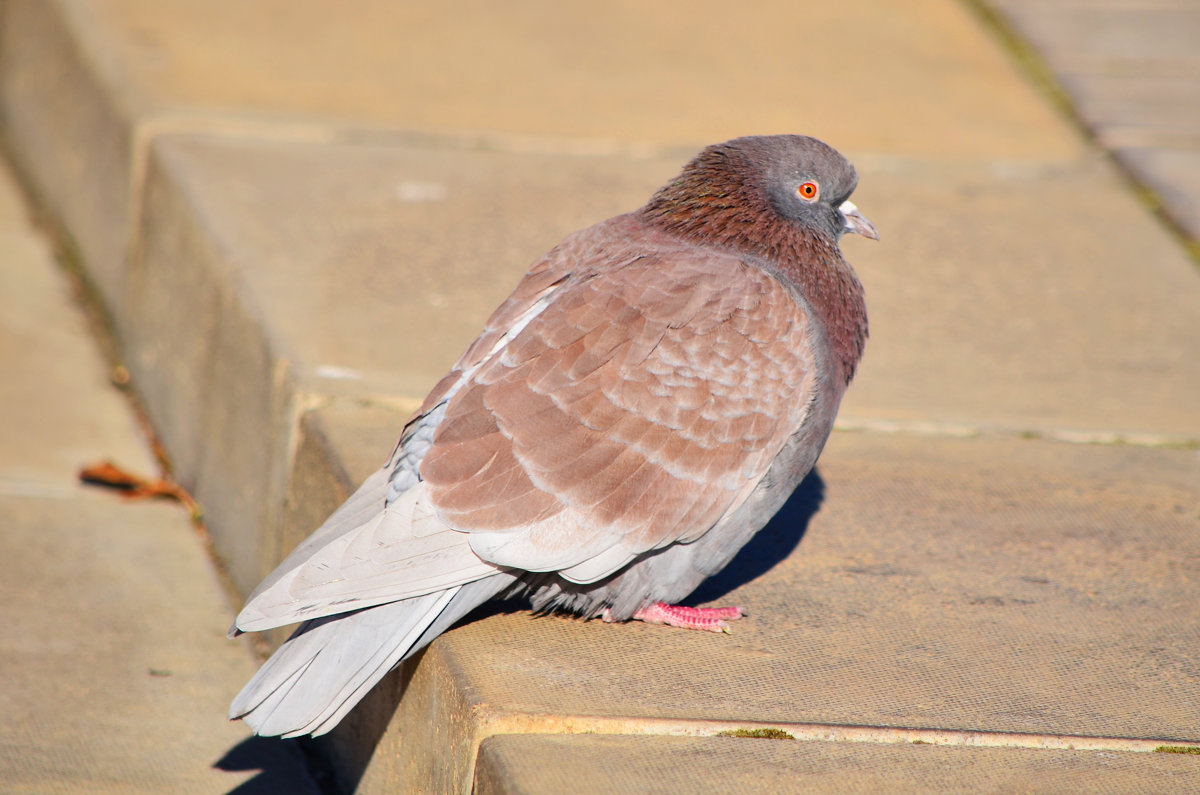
column 587, row 764
column 216, row 388
column 921, row 595
column 1132, row 71
column 370, row 262
column 116, row 671
column 980, row 585
column 1042, row 300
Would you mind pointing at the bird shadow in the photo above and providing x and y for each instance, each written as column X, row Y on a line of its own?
column 773, row 543
column 776, row 541
column 283, row 767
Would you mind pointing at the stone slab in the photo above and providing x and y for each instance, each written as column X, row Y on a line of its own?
column 1115, row 38
column 363, row 269
column 1132, row 72
column 117, row 673
column 1122, row 102
column 1046, row 301
column 971, row 585
column 677, row 72
column 936, row 588
column 587, row 764
column 217, row 390
column 370, row 266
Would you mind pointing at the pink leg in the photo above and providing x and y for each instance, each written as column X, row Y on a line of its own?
column 709, row 619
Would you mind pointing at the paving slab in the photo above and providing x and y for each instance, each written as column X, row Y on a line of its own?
column 586, row 764
column 117, row 673
column 1132, row 74
column 1043, row 301
column 918, row 584
column 115, row 667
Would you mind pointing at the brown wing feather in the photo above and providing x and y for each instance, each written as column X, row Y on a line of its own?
column 638, row 405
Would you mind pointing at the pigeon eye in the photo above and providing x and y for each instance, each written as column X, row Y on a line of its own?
column 809, row 191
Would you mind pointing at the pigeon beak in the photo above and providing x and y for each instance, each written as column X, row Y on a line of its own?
column 855, row 222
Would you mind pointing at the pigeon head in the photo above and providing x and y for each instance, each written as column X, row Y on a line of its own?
column 810, row 183
column 763, row 194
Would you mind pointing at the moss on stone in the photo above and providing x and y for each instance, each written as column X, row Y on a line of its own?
column 769, row 734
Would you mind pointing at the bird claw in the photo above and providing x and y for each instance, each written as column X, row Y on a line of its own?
column 708, row 619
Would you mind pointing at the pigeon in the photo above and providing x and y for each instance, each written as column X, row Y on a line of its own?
column 650, row 394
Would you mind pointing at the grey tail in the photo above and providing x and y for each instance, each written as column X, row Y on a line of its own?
column 329, row 664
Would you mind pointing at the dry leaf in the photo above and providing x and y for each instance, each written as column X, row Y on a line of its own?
column 109, row 475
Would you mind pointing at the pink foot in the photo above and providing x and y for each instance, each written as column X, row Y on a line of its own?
column 709, row 619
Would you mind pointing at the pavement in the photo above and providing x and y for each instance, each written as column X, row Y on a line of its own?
column 1129, row 74
column 294, row 218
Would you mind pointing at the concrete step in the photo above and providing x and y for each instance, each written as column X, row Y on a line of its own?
column 596, row 764
column 917, row 590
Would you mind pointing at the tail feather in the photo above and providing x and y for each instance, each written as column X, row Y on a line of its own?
column 365, row 503
column 310, row 676
column 329, row 664
column 270, row 700
column 466, row 599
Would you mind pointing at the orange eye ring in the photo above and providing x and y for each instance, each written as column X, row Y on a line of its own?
column 809, row 191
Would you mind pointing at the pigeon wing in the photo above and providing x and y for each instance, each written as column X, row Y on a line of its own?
column 637, row 408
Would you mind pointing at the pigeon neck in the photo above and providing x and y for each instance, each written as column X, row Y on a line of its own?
column 802, row 259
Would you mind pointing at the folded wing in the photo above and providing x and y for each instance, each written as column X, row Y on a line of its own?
column 635, row 410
